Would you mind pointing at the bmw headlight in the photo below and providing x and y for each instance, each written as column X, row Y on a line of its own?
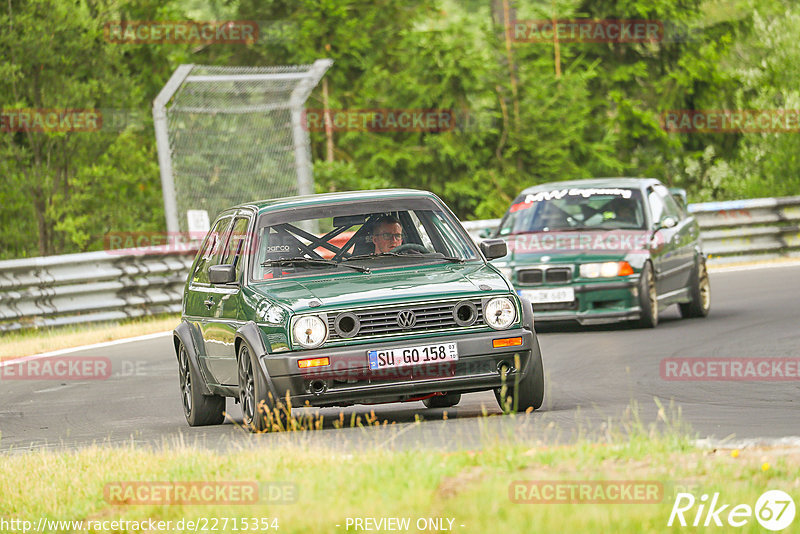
column 309, row 331
column 500, row 313
column 606, row 269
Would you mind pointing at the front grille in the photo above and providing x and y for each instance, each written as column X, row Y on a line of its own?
column 430, row 317
column 541, row 275
column 557, row 275
column 531, row 276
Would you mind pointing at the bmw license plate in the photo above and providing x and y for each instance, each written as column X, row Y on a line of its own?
column 545, row 296
column 418, row 355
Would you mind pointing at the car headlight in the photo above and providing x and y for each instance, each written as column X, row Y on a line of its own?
column 500, row 313
column 309, row 331
column 606, row 269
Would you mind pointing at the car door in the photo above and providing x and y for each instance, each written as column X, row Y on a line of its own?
column 224, row 305
column 684, row 237
column 199, row 293
column 664, row 245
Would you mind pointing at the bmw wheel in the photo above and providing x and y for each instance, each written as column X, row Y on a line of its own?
column 648, row 298
column 700, row 292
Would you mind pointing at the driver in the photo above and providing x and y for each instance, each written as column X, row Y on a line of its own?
column 388, row 234
column 625, row 212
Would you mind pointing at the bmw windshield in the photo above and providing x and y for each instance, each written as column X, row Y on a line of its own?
column 575, row 209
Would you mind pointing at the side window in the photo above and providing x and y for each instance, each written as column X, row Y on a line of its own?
column 656, row 206
column 212, row 248
column 234, row 251
column 671, row 208
column 681, row 206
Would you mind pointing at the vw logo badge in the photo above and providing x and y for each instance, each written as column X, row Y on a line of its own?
column 406, row 319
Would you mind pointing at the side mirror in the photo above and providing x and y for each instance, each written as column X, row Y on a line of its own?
column 222, row 274
column 494, row 248
column 667, row 222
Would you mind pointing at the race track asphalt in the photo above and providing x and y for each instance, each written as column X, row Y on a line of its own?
column 599, row 380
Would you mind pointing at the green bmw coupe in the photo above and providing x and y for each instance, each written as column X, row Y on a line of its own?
column 344, row 298
column 605, row 250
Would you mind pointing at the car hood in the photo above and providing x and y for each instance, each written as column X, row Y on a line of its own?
column 570, row 247
column 391, row 286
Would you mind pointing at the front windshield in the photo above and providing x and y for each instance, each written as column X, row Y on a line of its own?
column 575, row 209
column 357, row 236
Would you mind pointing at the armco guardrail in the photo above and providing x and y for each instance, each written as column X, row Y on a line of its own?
column 98, row 286
column 736, row 230
column 94, row 286
column 767, row 227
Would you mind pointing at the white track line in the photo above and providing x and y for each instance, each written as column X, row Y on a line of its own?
column 9, row 361
column 745, row 443
column 751, row 266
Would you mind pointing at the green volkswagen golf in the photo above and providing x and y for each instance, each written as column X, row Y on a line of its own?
column 345, row 298
column 605, row 250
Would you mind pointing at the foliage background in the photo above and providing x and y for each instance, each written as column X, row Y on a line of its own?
column 520, row 123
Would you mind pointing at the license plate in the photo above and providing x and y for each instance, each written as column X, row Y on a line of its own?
column 542, row 296
column 417, row 355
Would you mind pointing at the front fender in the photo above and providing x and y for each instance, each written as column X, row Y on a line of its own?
column 527, row 313
column 185, row 334
column 250, row 334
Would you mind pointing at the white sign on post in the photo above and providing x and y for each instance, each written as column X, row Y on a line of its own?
column 197, row 223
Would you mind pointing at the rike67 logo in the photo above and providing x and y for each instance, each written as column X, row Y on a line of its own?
column 774, row 510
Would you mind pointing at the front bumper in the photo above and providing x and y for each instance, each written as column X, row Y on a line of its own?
column 595, row 303
column 348, row 379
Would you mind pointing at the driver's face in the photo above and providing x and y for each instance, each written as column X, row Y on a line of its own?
column 387, row 236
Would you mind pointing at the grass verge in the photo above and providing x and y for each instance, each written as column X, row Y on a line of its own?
column 36, row 341
column 327, row 489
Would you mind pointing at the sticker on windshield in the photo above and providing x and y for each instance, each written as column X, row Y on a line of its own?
column 558, row 194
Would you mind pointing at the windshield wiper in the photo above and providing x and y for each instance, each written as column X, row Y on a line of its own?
column 311, row 261
column 435, row 256
column 370, row 256
column 445, row 258
column 553, row 230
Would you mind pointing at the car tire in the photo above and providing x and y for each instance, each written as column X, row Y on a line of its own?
column 260, row 411
column 448, row 400
column 528, row 392
column 700, row 292
column 199, row 409
column 648, row 298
